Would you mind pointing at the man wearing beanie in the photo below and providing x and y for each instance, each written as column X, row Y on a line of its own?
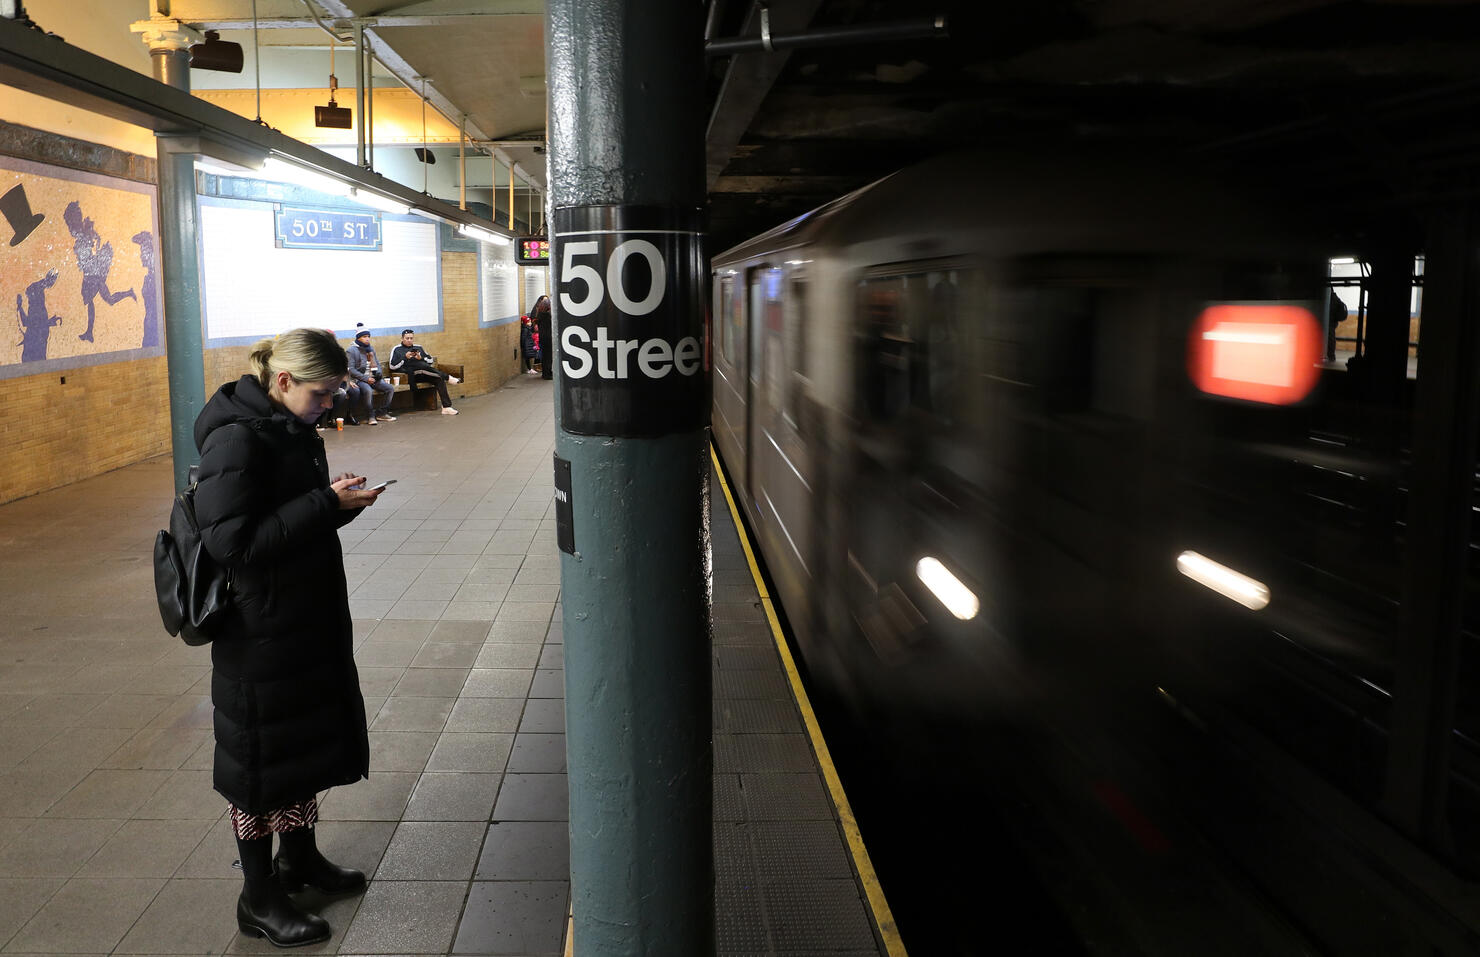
column 364, row 368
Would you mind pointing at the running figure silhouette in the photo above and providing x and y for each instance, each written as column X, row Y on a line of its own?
column 95, row 259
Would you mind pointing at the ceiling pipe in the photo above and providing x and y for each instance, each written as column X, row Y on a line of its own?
column 322, row 25
column 361, row 132
column 711, row 22
column 933, row 27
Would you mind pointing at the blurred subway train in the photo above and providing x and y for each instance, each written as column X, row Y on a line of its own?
column 1054, row 450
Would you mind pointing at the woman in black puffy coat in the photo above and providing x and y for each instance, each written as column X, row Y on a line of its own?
column 289, row 718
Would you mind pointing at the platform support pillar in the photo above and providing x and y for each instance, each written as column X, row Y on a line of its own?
column 179, row 260
column 1446, row 420
column 626, row 169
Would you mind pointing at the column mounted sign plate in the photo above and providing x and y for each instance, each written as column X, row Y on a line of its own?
column 565, row 524
column 633, row 338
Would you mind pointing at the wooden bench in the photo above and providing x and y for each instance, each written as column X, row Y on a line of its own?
column 426, row 396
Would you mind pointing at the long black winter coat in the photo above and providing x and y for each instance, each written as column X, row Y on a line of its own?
column 547, row 347
column 290, row 721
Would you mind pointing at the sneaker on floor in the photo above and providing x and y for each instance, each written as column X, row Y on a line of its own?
column 386, row 416
column 453, row 379
column 448, row 410
column 372, row 421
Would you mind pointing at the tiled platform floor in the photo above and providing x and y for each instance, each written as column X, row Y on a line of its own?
column 112, row 841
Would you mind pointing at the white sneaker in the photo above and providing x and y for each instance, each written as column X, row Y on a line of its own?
column 453, row 379
column 448, row 410
column 372, row 421
column 387, row 417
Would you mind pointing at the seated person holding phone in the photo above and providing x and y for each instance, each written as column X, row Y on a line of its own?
column 419, row 367
column 365, row 372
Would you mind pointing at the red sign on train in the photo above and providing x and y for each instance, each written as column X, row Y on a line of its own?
column 1259, row 353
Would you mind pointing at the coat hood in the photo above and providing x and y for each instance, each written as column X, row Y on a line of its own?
column 241, row 401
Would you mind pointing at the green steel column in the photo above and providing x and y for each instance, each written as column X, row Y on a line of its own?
column 629, row 276
column 179, row 264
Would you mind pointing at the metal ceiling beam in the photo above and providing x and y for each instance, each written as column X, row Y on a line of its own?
column 343, row 23
column 50, row 67
column 748, row 79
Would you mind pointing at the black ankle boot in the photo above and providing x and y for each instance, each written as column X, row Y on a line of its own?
column 264, row 910
column 299, row 864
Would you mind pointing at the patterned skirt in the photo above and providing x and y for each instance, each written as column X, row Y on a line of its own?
column 250, row 827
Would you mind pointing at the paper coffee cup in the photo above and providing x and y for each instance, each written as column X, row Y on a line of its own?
column 339, row 425
column 396, row 379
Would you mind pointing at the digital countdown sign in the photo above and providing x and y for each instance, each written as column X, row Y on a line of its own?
column 533, row 251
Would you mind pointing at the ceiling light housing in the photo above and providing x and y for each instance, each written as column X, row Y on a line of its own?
column 214, row 53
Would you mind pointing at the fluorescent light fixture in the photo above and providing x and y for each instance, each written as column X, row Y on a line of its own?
column 428, row 214
column 483, row 235
column 217, row 167
column 1342, row 260
column 380, row 202
column 1225, row 581
column 285, row 172
column 957, row 598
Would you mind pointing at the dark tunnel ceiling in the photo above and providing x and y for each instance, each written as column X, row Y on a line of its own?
column 1372, row 104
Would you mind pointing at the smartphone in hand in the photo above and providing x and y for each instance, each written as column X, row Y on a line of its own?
column 382, row 485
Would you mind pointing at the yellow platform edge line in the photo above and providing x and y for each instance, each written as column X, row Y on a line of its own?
column 873, row 891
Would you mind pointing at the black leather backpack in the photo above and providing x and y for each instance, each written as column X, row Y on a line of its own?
column 194, row 592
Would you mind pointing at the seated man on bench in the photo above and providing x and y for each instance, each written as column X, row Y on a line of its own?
column 365, row 372
column 412, row 361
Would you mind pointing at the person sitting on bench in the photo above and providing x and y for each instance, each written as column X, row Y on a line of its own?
column 365, row 371
column 414, row 362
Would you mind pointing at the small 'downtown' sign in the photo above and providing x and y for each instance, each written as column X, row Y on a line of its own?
column 630, row 320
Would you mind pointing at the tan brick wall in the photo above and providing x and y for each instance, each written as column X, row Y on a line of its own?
column 109, row 416
column 62, row 427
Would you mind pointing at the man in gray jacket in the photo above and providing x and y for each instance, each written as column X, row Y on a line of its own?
column 364, row 368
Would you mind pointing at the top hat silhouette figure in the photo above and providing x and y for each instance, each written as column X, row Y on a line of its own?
column 17, row 211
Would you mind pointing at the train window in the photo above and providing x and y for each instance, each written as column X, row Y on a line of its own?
column 943, row 344
column 1076, row 330
column 885, row 349
column 794, row 310
column 727, row 318
column 910, row 341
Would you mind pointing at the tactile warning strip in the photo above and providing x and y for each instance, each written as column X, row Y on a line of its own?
column 742, row 657
column 811, row 916
column 762, row 752
column 753, row 633
column 784, row 796
column 805, row 850
column 785, row 884
column 755, row 715
column 751, row 684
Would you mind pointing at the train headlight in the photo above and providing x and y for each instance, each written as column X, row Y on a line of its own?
column 946, row 587
column 1223, row 580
